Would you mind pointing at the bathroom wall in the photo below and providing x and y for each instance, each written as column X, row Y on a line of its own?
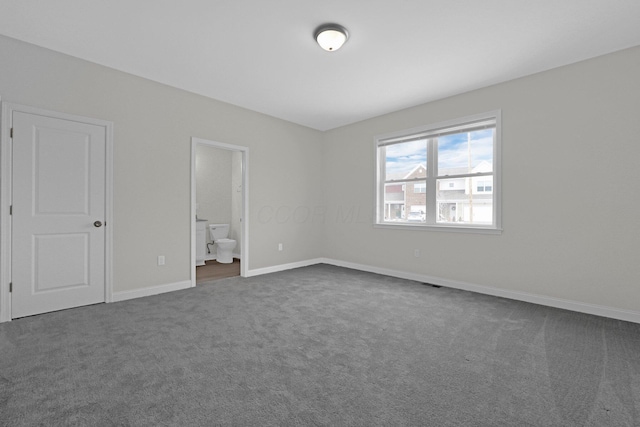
column 213, row 185
column 219, row 189
column 236, row 199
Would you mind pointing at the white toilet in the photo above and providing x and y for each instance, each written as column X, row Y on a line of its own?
column 219, row 233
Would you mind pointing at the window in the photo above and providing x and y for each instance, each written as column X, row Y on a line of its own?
column 443, row 176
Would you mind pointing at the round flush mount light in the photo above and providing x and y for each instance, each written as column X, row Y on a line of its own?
column 331, row 37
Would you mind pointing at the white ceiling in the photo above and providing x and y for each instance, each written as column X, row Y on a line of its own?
column 261, row 55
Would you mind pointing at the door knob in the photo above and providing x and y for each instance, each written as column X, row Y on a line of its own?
column 97, row 224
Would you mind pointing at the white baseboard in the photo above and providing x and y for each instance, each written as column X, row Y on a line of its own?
column 597, row 310
column 152, row 290
column 283, row 267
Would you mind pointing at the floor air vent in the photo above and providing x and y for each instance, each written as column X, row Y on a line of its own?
column 432, row 285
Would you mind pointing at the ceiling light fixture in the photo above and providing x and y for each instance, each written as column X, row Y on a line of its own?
column 331, row 37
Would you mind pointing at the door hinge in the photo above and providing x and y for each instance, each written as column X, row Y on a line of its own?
column 11, row 133
column 10, row 286
column 10, row 209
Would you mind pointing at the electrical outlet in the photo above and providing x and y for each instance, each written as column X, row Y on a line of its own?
column 416, row 253
column 160, row 259
column 279, row 246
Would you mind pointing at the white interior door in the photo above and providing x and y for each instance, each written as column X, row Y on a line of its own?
column 58, row 230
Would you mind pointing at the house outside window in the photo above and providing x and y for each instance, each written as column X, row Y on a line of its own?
column 444, row 176
column 484, row 186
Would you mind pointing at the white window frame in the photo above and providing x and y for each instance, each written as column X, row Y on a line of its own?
column 432, row 164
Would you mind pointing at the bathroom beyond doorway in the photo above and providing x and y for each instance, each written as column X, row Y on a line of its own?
column 239, row 215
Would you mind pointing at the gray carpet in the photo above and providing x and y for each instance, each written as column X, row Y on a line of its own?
column 319, row 345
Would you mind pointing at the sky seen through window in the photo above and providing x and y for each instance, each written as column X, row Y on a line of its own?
column 455, row 152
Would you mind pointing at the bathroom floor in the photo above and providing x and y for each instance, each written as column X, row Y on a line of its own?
column 213, row 270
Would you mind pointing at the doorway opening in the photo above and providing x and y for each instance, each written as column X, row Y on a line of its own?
column 219, row 207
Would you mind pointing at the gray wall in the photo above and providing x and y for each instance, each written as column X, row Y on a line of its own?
column 153, row 125
column 571, row 150
column 570, row 155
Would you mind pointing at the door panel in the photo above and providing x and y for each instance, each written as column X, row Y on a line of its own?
column 58, row 255
column 61, row 172
column 52, row 251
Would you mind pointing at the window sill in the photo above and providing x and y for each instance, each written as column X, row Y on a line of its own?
column 445, row 228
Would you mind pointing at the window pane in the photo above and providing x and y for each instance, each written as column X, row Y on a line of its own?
column 465, row 152
column 393, row 202
column 406, row 160
column 402, row 203
column 463, row 203
column 416, row 207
